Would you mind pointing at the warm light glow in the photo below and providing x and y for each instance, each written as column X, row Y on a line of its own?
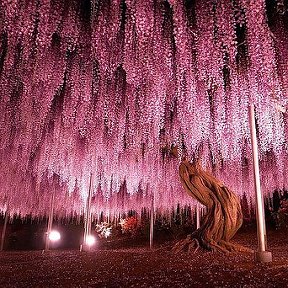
column 90, row 240
column 54, row 236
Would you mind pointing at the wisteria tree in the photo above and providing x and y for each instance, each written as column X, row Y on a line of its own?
column 224, row 214
column 96, row 86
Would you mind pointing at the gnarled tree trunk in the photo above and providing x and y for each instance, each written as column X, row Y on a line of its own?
column 224, row 215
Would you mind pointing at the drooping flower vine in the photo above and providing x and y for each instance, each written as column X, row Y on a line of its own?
column 105, row 87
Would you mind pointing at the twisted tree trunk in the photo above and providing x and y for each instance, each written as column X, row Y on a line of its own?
column 224, row 215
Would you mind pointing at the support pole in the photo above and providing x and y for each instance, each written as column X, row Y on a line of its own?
column 50, row 221
column 198, row 215
column 87, row 226
column 261, row 255
column 4, row 230
column 151, row 223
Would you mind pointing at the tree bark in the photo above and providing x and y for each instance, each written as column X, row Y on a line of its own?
column 224, row 215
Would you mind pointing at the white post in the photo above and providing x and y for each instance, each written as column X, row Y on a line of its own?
column 50, row 221
column 261, row 254
column 151, row 223
column 87, row 226
column 4, row 230
column 198, row 215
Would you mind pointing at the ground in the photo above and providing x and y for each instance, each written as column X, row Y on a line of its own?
column 141, row 267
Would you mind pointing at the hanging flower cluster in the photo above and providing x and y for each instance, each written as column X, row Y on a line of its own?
column 104, row 229
column 104, row 87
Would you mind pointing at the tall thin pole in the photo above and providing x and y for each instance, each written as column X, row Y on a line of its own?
column 198, row 215
column 4, row 230
column 261, row 254
column 87, row 226
column 151, row 223
column 50, row 220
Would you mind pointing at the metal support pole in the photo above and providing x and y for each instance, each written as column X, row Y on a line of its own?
column 87, row 226
column 4, row 230
column 198, row 215
column 261, row 255
column 151, row 223
column 50, row 221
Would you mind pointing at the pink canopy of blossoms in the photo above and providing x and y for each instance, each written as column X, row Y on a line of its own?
column 100, row 88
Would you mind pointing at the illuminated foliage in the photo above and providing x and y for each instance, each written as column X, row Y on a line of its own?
column 104, row 86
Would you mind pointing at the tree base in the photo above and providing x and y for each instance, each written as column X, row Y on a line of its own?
column 192, row 243
column 224, row 215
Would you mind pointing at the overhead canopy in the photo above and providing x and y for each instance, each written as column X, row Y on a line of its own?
column 105, row 87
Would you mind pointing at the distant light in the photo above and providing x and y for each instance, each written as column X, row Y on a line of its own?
column 90, row 240
column 54, row 236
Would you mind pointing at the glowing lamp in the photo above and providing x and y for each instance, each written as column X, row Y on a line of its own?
column 54, row 236
column 90, row 240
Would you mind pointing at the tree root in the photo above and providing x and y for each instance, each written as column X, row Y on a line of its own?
column 192, row 244
column 231, row 247
column 188, row 244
